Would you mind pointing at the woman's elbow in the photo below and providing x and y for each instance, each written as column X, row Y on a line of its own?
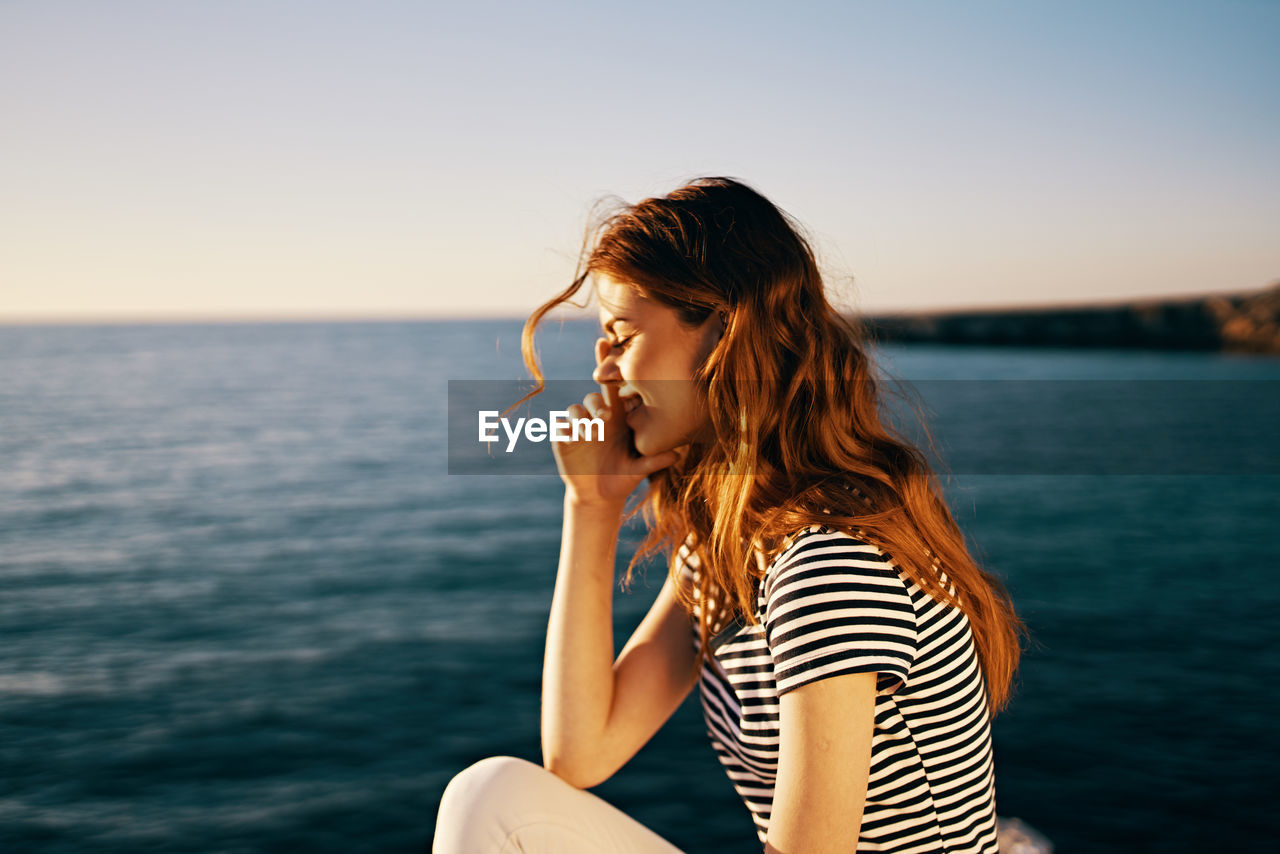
column 576, row 773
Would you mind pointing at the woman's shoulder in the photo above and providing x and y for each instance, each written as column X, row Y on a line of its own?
column 827, row 539
column 827, row 535
column 819, row 551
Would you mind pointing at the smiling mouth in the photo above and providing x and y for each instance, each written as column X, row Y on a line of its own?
column 631, row 404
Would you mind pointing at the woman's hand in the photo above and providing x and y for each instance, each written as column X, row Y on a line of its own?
column 604, row 472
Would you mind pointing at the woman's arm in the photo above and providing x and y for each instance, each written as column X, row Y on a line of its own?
column 577, row 671
column 596, row 713
column 583, row 742
column 824, row 762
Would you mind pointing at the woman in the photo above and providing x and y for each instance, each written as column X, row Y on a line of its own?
column 848, row 651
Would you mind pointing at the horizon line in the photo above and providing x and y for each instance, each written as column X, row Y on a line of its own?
column 183, row 319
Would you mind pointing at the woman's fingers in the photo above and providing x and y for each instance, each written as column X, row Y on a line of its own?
column 609, row 468
column 596, row 405
column 645, row 466
column 612, row 399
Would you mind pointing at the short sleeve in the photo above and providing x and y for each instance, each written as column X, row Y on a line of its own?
column 835, row 605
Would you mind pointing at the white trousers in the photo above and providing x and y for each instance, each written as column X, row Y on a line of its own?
column 503, row 805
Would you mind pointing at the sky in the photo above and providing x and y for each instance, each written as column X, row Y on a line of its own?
column 298, row 160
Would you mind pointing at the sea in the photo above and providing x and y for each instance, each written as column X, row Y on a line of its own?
column 255, row 595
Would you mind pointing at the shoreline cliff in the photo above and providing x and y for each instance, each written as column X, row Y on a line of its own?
column 1246, row 322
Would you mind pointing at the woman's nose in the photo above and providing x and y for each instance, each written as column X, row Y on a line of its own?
column 606, row 365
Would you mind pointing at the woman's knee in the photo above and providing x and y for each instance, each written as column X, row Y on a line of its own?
column 485, row 802
column 495, row 780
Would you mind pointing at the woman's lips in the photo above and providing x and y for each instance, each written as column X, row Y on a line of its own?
column 633, row 408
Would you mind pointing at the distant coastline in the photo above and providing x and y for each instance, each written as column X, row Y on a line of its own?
column 1247, row 322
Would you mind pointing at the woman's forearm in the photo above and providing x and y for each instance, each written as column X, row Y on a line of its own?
column 577, row 673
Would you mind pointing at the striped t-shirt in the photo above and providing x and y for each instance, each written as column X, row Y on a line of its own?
column 833, row 604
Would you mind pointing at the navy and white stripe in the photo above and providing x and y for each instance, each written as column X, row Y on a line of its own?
column 833, row 604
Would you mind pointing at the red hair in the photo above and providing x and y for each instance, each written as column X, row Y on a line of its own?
column 795, row 411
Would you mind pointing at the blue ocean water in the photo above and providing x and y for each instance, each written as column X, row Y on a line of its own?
column 244, row 607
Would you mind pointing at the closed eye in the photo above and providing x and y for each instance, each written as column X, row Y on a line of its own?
column 621, row 343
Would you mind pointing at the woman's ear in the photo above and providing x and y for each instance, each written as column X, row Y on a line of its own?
column 716, row 329
column 713, row 330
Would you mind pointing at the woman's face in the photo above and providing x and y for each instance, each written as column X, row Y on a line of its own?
column 649, row 356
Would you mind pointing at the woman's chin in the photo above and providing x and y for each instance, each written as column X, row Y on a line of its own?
column 643, row 448
column 646, row 446
column 649, row 446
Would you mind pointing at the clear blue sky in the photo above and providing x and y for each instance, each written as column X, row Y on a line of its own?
column 307, row 159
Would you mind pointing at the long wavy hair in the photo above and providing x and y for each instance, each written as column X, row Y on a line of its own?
column 795, row 412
